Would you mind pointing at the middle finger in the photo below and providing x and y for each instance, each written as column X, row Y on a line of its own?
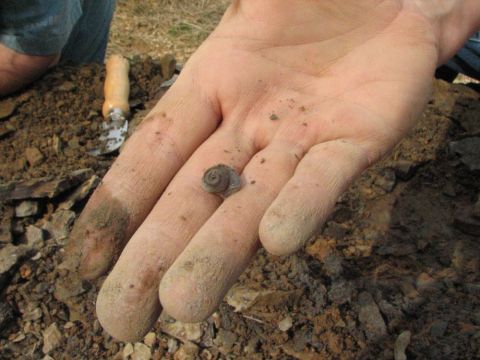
column 220, row 251
column 128, row 305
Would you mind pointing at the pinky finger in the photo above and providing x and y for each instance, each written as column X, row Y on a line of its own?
column 308, row 198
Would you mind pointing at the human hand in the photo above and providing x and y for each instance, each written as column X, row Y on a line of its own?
column 299, row 97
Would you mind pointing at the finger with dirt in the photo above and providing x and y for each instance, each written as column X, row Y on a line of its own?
column 308, row 198
column 128, row 304
column 197, row 281
column 161, row 145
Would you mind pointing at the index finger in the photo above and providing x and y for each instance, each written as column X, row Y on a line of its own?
column 178, row 124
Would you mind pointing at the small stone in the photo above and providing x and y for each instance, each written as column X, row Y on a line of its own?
column 10, row 255
column 187, row 351
column 57, row 144
column 51, row 338
column 141, row 352
column 332, row 265
column 27, row 208
column 404, row 169
column 67, row 86
column 468, row 149
column 18, row 338
column 193, row 331
column 392, row 313
column 74, row 142
column 370, row 317
column 34, row 156
column 340, row 292
column 285, row 324
column 68, row 325
column 172, row 345
column 127, row 350
column 60, row 224
column 243, row 298
column 7, row 107
column 206, row 355
column 32, row 314
column 403, row 340
column 274, row 117
column 6, row 314
column 387, row 180
column 466, row 222
column 425, row 281
column 225, row 339
column 69, row 287
column 150, row 339
column 438, row 328
column 35, row 236
column 20, row 164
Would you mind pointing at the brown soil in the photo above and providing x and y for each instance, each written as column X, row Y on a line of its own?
column 60, row 116
column 393, row 257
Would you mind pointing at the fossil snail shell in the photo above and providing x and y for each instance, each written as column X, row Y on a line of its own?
column 221, row 179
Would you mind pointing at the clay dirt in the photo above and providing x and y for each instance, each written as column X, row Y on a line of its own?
column 394, row 273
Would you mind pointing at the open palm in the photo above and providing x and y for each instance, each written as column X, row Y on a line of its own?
column 299, row 98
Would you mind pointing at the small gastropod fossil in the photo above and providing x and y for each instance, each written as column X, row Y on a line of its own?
column 221, row 179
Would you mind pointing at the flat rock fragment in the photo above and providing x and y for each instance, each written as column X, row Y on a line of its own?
column 46, row 187
column 34, row 156
column 35, row 236
column 51, row 338
column 243, row 298
column 80, row 193
column 403, row 340
column 10, row 255
column 182, row 331
column 7, row 107
column 60, row 224
column 469, row 151
column 27, row 208
column 405, row 169
column 141, row 352
column 370, row 317
column 285, row 324
column 466, row 222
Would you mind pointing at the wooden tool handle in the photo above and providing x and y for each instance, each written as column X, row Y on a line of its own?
column 117, row 86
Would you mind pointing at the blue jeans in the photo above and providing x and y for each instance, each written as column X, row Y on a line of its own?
column 78, row 29
column 467, row 60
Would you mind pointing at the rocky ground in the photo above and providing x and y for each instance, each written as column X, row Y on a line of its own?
column 393, row 274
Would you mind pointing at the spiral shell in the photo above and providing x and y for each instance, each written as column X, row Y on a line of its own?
column 221, row 179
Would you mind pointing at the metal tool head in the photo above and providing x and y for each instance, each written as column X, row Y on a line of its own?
column 113, row 134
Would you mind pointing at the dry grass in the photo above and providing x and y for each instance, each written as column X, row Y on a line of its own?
column 164, row 26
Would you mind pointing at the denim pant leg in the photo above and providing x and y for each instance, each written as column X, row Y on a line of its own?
column 467, row 60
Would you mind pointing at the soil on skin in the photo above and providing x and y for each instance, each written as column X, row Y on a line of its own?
column 389, row 260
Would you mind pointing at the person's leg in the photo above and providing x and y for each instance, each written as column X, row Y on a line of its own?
column 467, row 60
column 89, row 38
